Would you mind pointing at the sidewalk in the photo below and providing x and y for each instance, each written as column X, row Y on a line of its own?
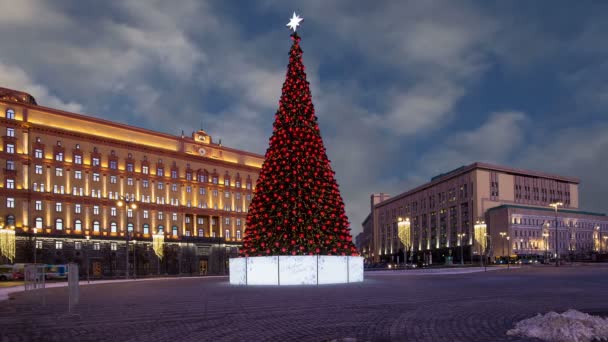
column 439, row 271
column 6, row 291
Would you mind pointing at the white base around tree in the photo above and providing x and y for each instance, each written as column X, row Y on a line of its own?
column 296, row 270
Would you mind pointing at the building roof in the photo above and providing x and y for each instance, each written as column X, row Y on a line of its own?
column 483, row 166
column 570, row 211
column 16, row 96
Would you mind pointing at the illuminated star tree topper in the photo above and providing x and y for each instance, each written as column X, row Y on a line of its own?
column 294, row 22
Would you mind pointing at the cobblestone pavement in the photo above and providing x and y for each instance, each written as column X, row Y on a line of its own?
column 456, row 307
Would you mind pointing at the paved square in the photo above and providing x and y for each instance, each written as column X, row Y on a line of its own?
column 386, row 307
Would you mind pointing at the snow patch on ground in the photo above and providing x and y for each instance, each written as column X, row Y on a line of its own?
column 570, row 326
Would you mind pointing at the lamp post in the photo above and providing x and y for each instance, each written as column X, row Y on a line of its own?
column 598, row 239
column 129, row 204
column 88, row 263
column 35, row 230
column 555, row 205
column 503, row 235
column 134, row 259
column 509, row 255
column 546, row 236
column 460, row 236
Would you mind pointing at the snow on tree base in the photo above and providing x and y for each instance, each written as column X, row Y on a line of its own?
column 570, row 326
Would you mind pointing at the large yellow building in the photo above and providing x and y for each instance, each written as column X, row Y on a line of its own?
column 65, row 173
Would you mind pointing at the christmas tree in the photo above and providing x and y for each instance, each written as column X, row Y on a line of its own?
column 296, row 208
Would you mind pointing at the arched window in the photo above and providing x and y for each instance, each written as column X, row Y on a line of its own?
column 161, row 229
column 95, row 226
column 227, row 234
column 174, row 230
column 130, row 227
column 38, row 222
column 59, row 224
column 10, row 114
column 113, row 227
column 78, row 225
column 10, row 220
column 146, row 228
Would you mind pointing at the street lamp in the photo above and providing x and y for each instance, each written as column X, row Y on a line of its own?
column 555, row 205
column 598, row 239
column 87, row 252
column 460, row 236
column 503, row 235
column 134, row 259
column 509, row 255
column 35, row 230
column 129, row 204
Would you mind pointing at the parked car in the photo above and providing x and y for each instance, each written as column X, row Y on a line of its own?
column 6, row 272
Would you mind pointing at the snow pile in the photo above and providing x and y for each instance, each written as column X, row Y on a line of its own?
column 570, row 326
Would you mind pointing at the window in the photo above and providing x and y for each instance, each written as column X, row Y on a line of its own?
column 188, row 189
column 201, row 191
column 130, row 181
column 38, row 153
column 238, row 195
column 227, row 234
column 227, row 220
column 173, row 187
column 58, row 172
column 160, row 185
column 201, row 232
column 161, row 229
column 130, row 226
column 160, row 215
column 129, row 212
column 113, row 227
column 145, row 183
column 78, row 245
column 146, row 214
column 95, row 177
column 58, row 244
column 145, row 170
column 38, row 169
column 10, row 183
column 214, row 180
column 112, row 211
column 113, row 164
column 160, row 172
column 10, row 114
column 200, row 220
column 189, row 176
column 130, row 167
column 113, row 179
column 77, row 159
column 38, row 244
column 38, row 222
column 59, row 156
column 174, row 174
column 146, row 228
column 77, row 208
column 38, row 205
column 238, row 184
column 174, row 216
column 10, row 148
column 77, row 225
column 96, row 246
column 113, row 246
column 238, row 234
column 59, row 224
column 58, row 207
column 238, row 221
column 214, row 193
column 174, row 230
column 95, row 210
column 95, row 161
column 10, row 132
column 248, row 186
column 77, row 174
column 249, row 197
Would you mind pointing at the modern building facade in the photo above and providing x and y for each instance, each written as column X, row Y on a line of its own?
column 475, row 210
column 64, row 174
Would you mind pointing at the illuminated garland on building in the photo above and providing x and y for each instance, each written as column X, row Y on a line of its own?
column 7, row 243
column 158, row 241
column 481, row 235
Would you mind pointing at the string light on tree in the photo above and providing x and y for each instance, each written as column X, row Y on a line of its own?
column 297, row 208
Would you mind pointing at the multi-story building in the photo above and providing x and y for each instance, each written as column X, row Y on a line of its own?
column 479, row 210
column 64, row 175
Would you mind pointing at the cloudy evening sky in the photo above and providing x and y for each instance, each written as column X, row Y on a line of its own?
column 403, row 90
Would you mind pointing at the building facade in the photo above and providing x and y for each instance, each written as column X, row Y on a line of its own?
column 64, row 175
column 458, row 215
